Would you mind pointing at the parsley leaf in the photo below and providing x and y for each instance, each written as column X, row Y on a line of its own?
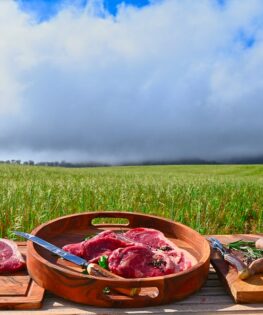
column 103, row 262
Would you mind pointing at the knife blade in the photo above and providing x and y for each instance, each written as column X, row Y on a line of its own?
column 242, row 269
column 93, row 269
column 54, row 249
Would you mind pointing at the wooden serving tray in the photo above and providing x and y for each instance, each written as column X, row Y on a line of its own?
column 18, row 290
column 242, row 291
column 67, row 281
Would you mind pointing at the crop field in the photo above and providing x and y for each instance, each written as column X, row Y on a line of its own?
column 208, row 198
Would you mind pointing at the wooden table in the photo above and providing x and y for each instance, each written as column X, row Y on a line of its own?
column 212, row 298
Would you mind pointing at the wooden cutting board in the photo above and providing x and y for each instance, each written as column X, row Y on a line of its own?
column 242, row 291
column 18, row 290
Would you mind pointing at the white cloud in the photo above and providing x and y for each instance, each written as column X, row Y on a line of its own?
column 170, row 80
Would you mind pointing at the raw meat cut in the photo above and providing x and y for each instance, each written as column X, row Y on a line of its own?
column 137, row 253
column 94, row 248
column 77, row 248
column 103, row 234
column 156, row 240
column 150, row 237
column 10, row 258
column 182, row 258
column 102, row 244
column 140, row 261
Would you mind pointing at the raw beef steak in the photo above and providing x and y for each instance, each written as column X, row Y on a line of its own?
column 182, row 258
column 150, row 237
column 10, row 258
column 77, row 248
column 139, row 261
column 139, row 252
column 94, row 248
column 102, row 244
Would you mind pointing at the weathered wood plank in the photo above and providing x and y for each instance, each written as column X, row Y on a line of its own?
column 211, row 299
column 213, row 284
column 59, row 306
column 212, row 291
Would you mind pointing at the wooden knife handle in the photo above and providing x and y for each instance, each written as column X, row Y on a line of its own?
column 98, row 271
column 242, row 269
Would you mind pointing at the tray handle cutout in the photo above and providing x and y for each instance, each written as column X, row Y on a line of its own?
column 125, row 219
column 104, row 221
column 110, row 219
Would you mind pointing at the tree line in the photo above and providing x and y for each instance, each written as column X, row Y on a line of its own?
column 55, row 163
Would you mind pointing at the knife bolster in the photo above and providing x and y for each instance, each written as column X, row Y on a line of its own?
column 242, row 269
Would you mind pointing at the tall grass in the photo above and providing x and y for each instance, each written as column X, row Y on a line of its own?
column 210, row 199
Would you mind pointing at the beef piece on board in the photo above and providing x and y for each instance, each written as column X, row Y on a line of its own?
column 157, row 241
column 150, row 243
column 94, row 248
column 77, row 248
column 140, row 261
column 10, row 258
column 150, row 237
column 101, row 244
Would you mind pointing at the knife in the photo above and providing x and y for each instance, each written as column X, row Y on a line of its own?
column 92, row 269
column 242, row 269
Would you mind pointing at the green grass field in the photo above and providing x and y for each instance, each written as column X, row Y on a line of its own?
column 208, row 198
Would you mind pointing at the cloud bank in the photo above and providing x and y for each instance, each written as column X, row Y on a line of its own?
column 171, row 80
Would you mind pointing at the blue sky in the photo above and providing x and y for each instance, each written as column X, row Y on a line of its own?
column 168, row 79
column 46, row 9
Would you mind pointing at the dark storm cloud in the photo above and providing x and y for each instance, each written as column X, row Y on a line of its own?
column 177, row 79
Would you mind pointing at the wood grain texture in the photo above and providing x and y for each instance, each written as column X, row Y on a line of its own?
column 242, row 291
column 212, row 298
column 18, row 290
column 67, row 281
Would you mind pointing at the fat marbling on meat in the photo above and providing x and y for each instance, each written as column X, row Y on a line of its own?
column 10, row 258
column 139, row 252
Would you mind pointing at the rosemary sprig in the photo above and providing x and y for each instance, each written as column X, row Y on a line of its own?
column 248, row 248
column 241, row 243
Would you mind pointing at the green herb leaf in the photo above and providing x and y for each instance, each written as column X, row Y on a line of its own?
column 103, row 262
column 248, row 248
column 240, row 243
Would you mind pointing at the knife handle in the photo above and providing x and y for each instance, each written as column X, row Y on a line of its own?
column 242, row 269
column 98, row 271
